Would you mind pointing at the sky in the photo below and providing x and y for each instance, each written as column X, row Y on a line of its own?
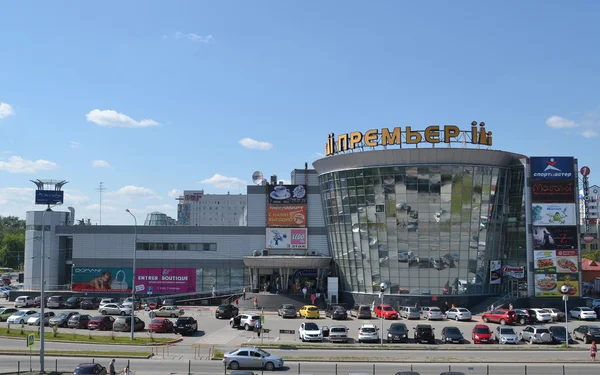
column 151, row 98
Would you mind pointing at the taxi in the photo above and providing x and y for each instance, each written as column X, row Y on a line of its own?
column 309, row 311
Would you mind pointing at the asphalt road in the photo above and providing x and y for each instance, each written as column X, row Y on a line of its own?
column 156, row 367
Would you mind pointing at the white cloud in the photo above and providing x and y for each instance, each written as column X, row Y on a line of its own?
column 557, row 122
column 17, row 195
column 589, row 133
column 223, row 182
column 175, row 193
column 74, row 144
column 320, row 155
column 134, row 191
column 96, row 206
column 164, row 208
column 74, row 197
column 192, row 37
column 255, row 145
column 112, row 118
column 100, row 164
column 17, row 164
column 5, row 110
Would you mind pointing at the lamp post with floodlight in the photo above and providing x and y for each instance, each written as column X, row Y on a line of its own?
column 133, row 286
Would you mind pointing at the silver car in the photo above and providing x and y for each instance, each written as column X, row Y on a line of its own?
column 536, row 335
column 62, row 319
column 407, row 312
column 506, row 335
column 114, row 309
column 251, row 358
column 338, row 333
column 287, row 311
column 432, row 313
column 458, row 313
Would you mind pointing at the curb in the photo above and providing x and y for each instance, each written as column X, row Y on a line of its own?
column 440, row 348
column 180, row 338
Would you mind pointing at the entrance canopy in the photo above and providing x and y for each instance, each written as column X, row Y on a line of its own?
column 278, row 261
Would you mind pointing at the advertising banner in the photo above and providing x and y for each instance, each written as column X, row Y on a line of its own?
column 101, row 279
column 553, row 214
column 556, row 168
column 287, row 194
column 517, row 272
column 286, row 238
column 555, row 238
column 495, row 271
column 552, row 191
column 286, row 215
column 548, row 285
column 544, row 261
column 49, row 196
column 166, row 280
column 567, row 261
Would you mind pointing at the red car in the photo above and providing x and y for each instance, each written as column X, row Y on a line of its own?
column 386, row 311
column 101, row 322
column 160, row 325
column 482, row 334
column 501, row 316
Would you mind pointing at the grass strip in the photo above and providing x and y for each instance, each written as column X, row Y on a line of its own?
column 89, row 338
column 80, row 353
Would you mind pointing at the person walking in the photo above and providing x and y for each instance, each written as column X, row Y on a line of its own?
column 255, row 302
column 593, row 351
column 111, row 368
column 237, row 303
column 312, row 298
column 258, row 327
column 244, row 294
column 126, row 370
column 510, row 306
column 304, row 290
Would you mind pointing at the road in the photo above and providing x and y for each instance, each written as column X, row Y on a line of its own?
column 156, row 367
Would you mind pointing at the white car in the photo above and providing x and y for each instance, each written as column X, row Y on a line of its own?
column 106, row 301
column 368, row 332
column 34, row 320
column 310, row 332
column 432, row 313
column 459, row 313
column 20, row 317
column 114, row 309
column 583, row 313
column 24, row 301
column 542, row 316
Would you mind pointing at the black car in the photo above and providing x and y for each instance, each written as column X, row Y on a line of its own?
column 186, row 325
column 524, row 317
column 90, row 368
column 424, row 333
column 336, row 312
column 73, row 303
column 90, row 303
column 587, row 333
column 452, row 335
column 559, row 334
column 397, row 333
column 226, row 311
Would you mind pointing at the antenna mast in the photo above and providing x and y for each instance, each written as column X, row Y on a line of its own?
column 101, row 189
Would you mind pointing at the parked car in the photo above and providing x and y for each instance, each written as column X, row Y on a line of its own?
column 90, row 369
column 37, row 300
column 123, row 324
column 62, row 319
column 541, row 315
column 556, row 314
column 7, row 312
column 226, row 311
column 587, row 333
column 128, row 302
column 309, row 311
column 583, row 313
column 79, row 321
column 73, row 303
column 168, row 302
column 361, row 311
column 34, row 320
column 90, row 303
column 481, row 334
column 452, row 335
column 310, row 332
column 106, row 301
column 397, row 332
column 153, row 303
column 499, row 316
column 523, row 317
column 114, row 309
column 338, row 333
column 432, row 313
column 167, row 312
column 386, row 311
column 101, row 322
column 336, row 312
column 506, row 335
column 424, row 333
column 287, row 311
column 160, row 325
column 251, row 358
column 246, row 321
column 24, row 301
column 56, row 302
column 408, row 312
column 368, row 333
column 186, row 325
column 536, row 335
column 459, row 313
column 559, row 334
column 20, row 317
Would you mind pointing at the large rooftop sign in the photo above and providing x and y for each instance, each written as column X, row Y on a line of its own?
column 398, row 136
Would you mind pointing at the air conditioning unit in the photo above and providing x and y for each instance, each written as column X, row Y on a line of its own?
column 313, row 253
column 265, row 252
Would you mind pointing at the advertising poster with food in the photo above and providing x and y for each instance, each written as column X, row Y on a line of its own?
column 544, row 261
column 166, row 280
column 553, row 214
column 286, row 215
column 286, row 238
column 548, row 191
column 555, row 238
column 566, row 261
column 101, row 279
column 548, row 285
column 287, row 194
column 495, row 271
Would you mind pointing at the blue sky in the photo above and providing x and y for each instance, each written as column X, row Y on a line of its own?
column 153, row 97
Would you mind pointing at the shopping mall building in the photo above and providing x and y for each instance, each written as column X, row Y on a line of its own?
column 432, row 214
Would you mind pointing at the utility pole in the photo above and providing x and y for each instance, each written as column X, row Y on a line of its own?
column 101, row 189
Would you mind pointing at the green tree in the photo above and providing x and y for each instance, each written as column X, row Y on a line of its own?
column 591, row 254
column 12, row 250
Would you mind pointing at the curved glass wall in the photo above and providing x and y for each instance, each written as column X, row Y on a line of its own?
column 422, row 229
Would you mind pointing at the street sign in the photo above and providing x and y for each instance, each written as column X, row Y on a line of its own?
column 30, row 340
column 149, row 289
column 588, row 238
column 140, row 288
column 585, row 171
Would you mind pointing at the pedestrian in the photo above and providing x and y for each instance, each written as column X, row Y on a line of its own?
column 244, row 295
column 255, row 302
column 258, row 327
column 214, row 291
column 510, row 306
column 312, row 298
column 237, row 303
column 446, row 308
column 111, row 368
column 304, row 290
column 492, row 307
column 593, row 351
column 453, row 306
column 126, row 370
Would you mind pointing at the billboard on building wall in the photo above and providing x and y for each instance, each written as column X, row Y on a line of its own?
column 286, row 238
column 49, row 196
column 183, row 214
column 552, row 167
column 495, row 271
column 555, row 238
column 548, row 285
column 551, row 191
column 165, row 280
column 554, row 214
column 101, row 279
column 286, row 215
column 287, row 194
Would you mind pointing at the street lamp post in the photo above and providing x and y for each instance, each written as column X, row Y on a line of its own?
column 42, row 277
column 133, row 286
column 565, row 292
column 383, row 287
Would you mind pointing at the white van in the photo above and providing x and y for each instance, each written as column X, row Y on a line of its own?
column 24, row 301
